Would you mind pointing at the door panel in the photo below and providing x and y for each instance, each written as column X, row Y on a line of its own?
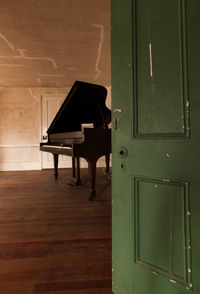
column 156, row 107
column 163, row 229
column 161, row 68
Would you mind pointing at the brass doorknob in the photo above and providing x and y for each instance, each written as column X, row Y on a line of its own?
column 123, row 152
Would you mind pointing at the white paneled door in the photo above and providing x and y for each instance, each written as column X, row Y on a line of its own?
column 51, row 103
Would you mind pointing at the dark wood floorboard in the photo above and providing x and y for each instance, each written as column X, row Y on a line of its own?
column 52, row 239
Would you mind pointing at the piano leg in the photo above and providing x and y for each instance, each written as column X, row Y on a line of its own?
column 55, row 160
column 73, row 167
column 76, row 179
column 107, row 156
column 92, row 177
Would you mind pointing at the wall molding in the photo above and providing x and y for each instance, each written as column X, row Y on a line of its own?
column 18, row 145
column 17, row 166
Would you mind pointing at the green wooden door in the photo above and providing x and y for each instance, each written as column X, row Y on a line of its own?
column 156, row 146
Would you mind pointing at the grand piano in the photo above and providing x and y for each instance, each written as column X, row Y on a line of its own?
column 80, row 129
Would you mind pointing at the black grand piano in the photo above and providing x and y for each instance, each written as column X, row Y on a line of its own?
column 80, row 129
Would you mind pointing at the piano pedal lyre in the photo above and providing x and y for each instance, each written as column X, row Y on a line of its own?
column 107, row 173
column 75, row 182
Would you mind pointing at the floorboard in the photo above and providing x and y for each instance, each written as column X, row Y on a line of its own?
column 52, row 239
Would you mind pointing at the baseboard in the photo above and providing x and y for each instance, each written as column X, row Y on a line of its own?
column 15, row 166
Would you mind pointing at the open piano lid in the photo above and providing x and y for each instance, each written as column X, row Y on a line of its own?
column 84, row 104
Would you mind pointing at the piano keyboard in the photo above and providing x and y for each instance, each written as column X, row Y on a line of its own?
column 57, row 147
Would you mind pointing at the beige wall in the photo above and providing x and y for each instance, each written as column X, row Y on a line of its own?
column 20, row 126
column 43, row 49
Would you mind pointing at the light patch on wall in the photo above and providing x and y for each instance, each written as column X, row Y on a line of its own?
column 70, row 68
column 102, row 33
column 22, row 54
column 10, row 45
column 35, row 97
column 12, row 65
column 39, row 81
column 50, row 75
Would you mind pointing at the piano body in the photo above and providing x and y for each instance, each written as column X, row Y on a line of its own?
column 85, row 104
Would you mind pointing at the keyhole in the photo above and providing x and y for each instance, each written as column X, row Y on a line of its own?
column 122, row 166
column 116, row 120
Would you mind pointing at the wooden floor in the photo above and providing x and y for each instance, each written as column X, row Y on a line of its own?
column 52, row 239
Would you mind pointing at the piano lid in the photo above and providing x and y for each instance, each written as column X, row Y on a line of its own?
column 84, row 104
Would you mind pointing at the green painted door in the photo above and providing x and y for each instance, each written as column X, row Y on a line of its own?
column 156, row 146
